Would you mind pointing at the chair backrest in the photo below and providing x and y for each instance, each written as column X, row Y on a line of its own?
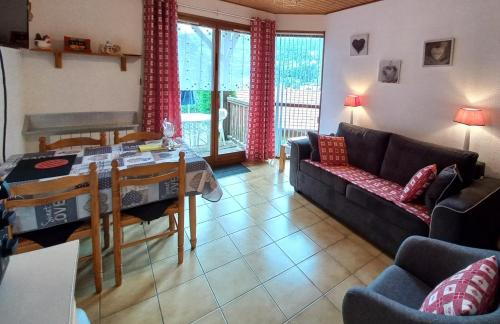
column 148, row 175
column 137, row 136
column 51, row 191
column 69, row 142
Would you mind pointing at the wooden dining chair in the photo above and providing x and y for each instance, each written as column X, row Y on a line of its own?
column 43, row 146
column 137, row 136
column 53, row 191
column 145, row 176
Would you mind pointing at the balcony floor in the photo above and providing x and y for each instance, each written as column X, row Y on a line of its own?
column 203, row 149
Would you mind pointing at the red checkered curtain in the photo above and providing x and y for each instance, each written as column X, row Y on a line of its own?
column 161, row 95
column 260, row 141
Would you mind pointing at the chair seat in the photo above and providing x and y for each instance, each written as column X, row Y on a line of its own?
column 399, row 285
column 151, row 211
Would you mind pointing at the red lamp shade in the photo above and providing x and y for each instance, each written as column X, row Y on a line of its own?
column 352, row 101
column 470, row 116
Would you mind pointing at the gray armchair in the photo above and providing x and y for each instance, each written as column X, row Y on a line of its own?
column 397, row 294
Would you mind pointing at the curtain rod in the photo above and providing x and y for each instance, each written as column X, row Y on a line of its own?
column 218, row 12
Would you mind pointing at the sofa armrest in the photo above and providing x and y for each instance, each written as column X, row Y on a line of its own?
column 432, row 261
column 363, row 305
column 470, row 217
column 300, row 150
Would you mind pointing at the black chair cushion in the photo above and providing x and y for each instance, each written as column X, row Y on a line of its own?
column 365, row 147
column 150, row 211
column 53, row 235
column 405, row 156
column 401, row 286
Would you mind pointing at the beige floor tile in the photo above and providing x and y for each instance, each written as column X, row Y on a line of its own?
column 231, row 280
column 323, row 234
column 336, row 295
column 324, row 271
column 238, row 188
column 133, row 258
column 295, row 195
column 136, row 287
column 338, row 226
column 88, row 300
column 271, row 192
column 203, row 214
column 85, row 273
column 318, row 211
column 147, row 311
column 349, row 254
column 268, row 262
column 217, row 253
column 236, row 221
column 365, row 245
column 207, row 232
column 286, row 204
column 278, row 227
column 298, row 247
column 168, row 273
column 187, row 302
column 292, row 291
column 262, row 212
column 156, row 226
column 250, row 199
column 227, row 181
column 250, row 239
column 254, row 307
column 370, row 271
column 224, row 207
column 385, row 259
column 302, row 217
column 166, row 247
column 214, row 317
column 321, row 311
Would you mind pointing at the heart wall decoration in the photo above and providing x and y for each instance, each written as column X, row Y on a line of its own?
column 359, row 45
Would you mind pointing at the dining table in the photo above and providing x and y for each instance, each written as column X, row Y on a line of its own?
column 200, row 180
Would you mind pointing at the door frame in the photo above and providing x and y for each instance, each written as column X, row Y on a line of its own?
column 214, row 159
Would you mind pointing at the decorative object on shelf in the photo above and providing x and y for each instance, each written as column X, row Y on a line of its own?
column 359, row 44
column 44, row 42
column 352, row 102
column 73, row 44
column 469, row 117
column 390, row 71
column 439, row 52
column 109, row 48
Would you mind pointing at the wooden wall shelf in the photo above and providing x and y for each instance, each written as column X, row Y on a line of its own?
column 58, row 56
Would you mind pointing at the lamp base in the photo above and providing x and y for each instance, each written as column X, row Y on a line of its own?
column 467, row 139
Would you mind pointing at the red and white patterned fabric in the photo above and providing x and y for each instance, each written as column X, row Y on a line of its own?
column 386, row 189
column 161, row 90
column 470, row 291
column 260, row 141
column 418, row 183
column 332, row 150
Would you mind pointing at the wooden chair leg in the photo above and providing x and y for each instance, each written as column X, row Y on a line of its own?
column 97, row 259
column 171, row 223
column 180, row 237
column 117, row 251
column 106, row 231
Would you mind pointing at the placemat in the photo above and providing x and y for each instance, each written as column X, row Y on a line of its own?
column 46, row 167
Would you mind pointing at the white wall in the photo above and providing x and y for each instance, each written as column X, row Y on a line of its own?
column 424, row 103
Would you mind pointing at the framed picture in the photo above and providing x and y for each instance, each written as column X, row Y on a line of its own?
column 359, row 45
column 439, row 52
column 73, row 44
column 389, row 71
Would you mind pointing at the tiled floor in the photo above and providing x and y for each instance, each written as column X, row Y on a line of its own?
column 265, row 255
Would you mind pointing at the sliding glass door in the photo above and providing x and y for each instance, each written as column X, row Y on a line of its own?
column 214, row 71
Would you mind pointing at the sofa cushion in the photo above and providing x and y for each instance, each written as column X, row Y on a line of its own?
column 400, row 286
column 332, row 150
column 314, row 141
column 419, row 183
column 365, row 147
column 470, row 291
column 386, row 210
column 331, row 180
column 448, row 182
column 405, row 156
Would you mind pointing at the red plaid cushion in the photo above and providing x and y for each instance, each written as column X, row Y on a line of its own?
column 470, row 291
column 418, row 183
column 332, row 150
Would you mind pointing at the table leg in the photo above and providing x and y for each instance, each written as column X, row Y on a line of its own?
column 192, row 220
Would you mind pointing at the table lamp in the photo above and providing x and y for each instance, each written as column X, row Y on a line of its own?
column 469, row 117
column 352, row 101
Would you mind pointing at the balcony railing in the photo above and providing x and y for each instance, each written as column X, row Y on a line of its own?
column 291, row 120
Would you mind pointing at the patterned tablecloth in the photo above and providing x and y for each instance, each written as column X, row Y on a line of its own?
column 199, row 180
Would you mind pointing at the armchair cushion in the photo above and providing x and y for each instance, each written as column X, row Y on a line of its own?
column 448, row 182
